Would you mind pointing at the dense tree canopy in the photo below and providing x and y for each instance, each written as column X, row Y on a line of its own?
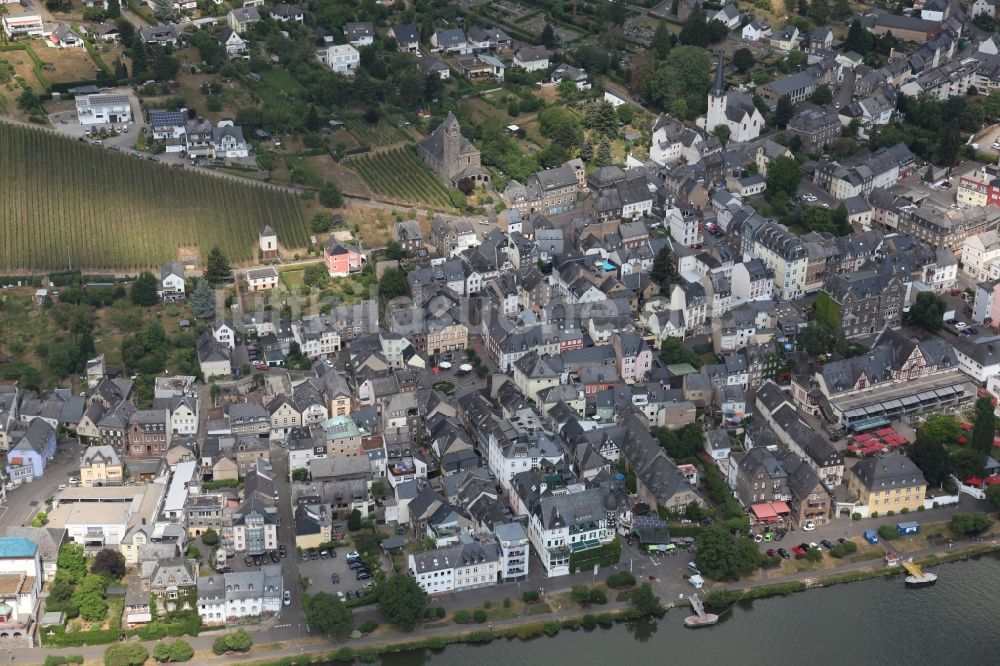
column 721, row 556
column 402, row 600
column 928, row 311
column 328, row 614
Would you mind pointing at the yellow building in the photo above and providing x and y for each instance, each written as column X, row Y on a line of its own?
column 100, row 466
column 448, row 338
column 887, row 483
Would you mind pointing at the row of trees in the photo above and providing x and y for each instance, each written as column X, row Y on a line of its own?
column 939, row 452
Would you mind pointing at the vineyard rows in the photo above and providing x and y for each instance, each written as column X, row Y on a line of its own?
column 66, row 203
column 399, row 174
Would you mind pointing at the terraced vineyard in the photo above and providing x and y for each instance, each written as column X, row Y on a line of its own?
column 65, row 202
column 400, row 175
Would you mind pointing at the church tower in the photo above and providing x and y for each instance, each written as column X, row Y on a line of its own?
column 717, row 100
column 452, row 145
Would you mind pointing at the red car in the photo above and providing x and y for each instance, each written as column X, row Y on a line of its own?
column 956, row 292
column 798, row 551
column 261, row 366
column 770, row 552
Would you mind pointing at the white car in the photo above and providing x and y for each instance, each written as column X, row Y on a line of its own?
column 287, row 598
column 809, row 527
column 63, row 486
column 960, row 325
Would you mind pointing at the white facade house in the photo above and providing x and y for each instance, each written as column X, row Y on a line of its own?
column 685, row 230
column 21, row 576
column 531, row 58
column 751, row 281
column 980, row 254
column 22, row 25
column 343, row 59
column 568, row 523
column 240, row 595
column 464, row 566
column 103, row 108
column 733, row 109
column 515, row 551
column 224, row 334
column 228, row 141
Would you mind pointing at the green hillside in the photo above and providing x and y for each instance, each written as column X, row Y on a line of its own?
column 63, row 201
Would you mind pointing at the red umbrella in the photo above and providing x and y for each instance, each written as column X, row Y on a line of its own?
column 962, row 440
column 966, row 426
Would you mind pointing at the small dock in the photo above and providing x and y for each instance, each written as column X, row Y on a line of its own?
column 918, row 577
column 701, row 618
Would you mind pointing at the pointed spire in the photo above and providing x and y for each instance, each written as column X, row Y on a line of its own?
column 451, row 120
column 719, row 89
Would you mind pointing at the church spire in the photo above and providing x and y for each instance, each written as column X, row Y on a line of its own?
column 720, row 80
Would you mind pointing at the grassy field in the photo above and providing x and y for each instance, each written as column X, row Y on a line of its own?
column 401, row 176
column 68, row 202
column 65, row 65
column 349, row 182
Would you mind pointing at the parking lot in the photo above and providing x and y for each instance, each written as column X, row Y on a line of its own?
column 320, row 573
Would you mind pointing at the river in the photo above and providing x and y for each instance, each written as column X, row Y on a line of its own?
column 869, row 622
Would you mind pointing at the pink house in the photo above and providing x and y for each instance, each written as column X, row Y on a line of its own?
column 634, row 357
column 342, row 259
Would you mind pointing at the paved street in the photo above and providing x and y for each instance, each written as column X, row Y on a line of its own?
column 26, row 500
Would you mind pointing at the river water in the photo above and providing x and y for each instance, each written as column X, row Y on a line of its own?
column 871, row 622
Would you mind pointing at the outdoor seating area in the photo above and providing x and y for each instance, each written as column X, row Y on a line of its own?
column 880, row 441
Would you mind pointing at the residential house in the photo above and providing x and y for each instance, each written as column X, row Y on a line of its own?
column 241, row 19
column 359, row 33
column 407, row 37
column 103, row 109
column 531, row 58
column 101, row 466
column 343, row 59
column 342, row 259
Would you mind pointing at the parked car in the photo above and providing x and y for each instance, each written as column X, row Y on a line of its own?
column 809, row 526
column 363, row 575
column 323, row 555
column 275, row 557
column 282, row 551
column 286, row 598
column 353, row 555
column 770, row 552
column 355, row 565
column 827, row 544
column 335, row 579
column 341, row 595
column 783, row 553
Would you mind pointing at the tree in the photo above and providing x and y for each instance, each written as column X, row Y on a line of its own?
column 928, row 311
column 321, row 222
column 27, row 101
column 743, row 60
column 72, row 562
column 174, row 651
column 218, row 269
column 723, row 132
column 966, row 463
column 300, row 474
column 393, row 284
column 645, row 601
column 202, row 301
column 126, row 654
column 210, row 538
column 163, row 10
column 109, row 563
column 983, row 426
column 237, row 641
column 604, row 157
column 783, row 175
column 722, row 556
column 949, row 145
column 330, row 195
column 783, row 112
column 354, row 521
column 821, row 96
column 114, row 8
column 968, row 524
column 402, row 600
column 393, row 251
column 931, row 457
column 548, row 36
column 663, row 271
column 992, row 496
column 328, row 614
column 89, row 595
column 663, row 40
column 561, row 127
column 694, row 31
column 673, row 351
column 941, row 428
column 144, row 290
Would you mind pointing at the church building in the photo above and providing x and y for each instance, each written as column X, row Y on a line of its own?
column 734, row 109
column 451, row 156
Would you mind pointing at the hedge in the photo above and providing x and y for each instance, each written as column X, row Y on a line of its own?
column 60, row 638
column 605, row 556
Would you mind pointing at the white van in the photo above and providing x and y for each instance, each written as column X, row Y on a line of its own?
column 697, row 581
